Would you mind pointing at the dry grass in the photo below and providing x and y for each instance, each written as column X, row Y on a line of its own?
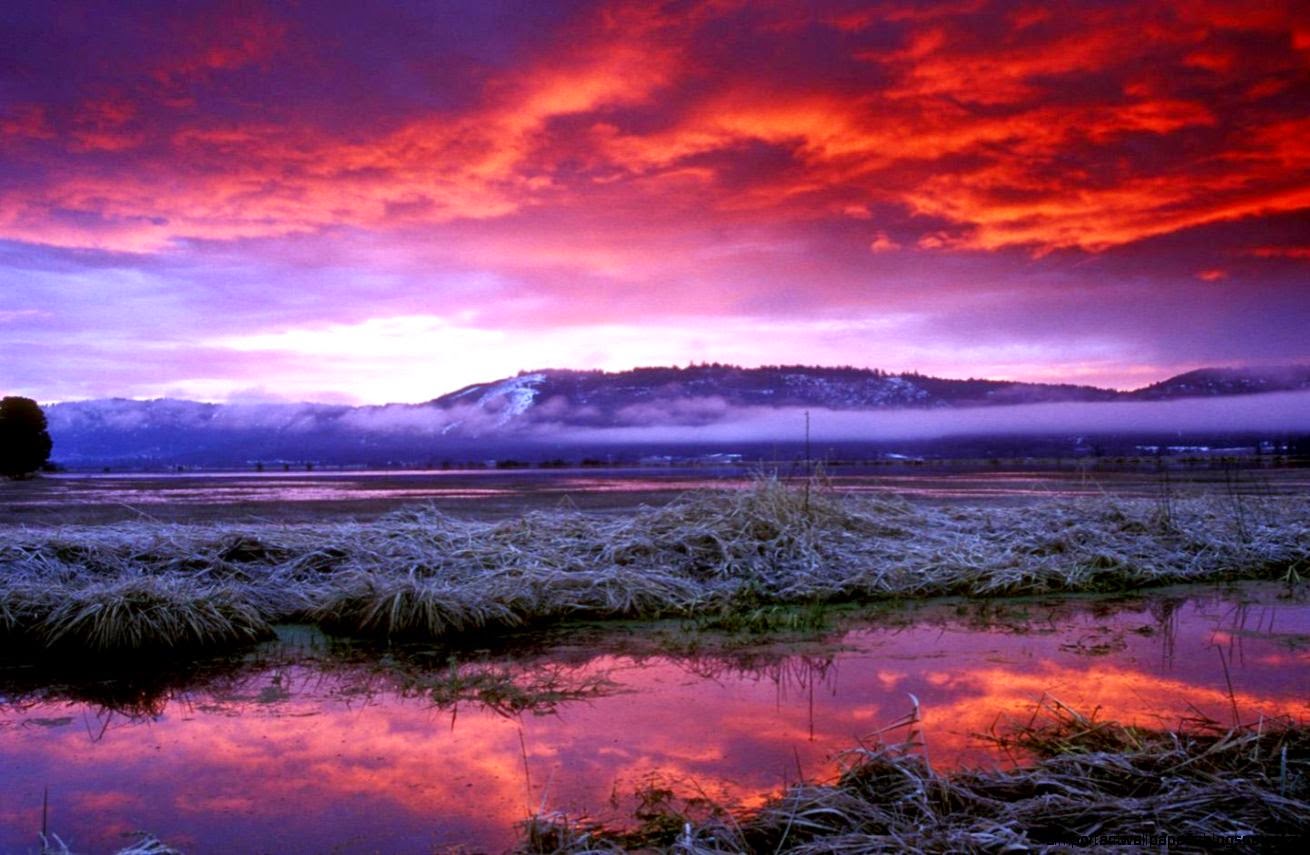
column 418, row 572
column 1093, row 785
column 150, row 612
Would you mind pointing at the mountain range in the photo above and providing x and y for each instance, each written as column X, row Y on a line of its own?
column 550, row 412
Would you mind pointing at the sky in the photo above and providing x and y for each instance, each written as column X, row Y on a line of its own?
column 339, row 202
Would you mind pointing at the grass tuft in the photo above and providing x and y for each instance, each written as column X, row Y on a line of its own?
column 374, row 603
column 152, row 612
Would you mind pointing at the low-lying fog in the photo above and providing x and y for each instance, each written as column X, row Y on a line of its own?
column 676, row 420
column 1275, row 412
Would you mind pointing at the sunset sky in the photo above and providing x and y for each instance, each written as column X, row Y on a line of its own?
column 386, row 201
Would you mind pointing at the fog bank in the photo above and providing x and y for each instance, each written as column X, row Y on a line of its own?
column 1280, row 412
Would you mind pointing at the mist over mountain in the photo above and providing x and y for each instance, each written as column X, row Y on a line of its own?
column 557, row 413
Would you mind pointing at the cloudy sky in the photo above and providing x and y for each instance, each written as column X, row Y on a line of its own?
column 235, row 201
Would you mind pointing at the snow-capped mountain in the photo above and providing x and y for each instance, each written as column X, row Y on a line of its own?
column 560, row 409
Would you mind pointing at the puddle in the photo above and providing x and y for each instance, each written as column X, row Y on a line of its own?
column 312, row 747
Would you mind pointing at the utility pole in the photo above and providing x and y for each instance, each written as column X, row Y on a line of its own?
column 809, row 471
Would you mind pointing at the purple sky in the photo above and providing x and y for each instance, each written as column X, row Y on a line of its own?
column 233, row 201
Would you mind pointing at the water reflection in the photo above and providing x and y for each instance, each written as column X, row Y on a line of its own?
column 310, row 745
column 308, row 495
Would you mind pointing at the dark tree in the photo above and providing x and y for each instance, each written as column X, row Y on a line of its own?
column 24, row 443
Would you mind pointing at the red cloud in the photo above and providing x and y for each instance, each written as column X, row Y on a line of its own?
column 226, row 39
column 1094, row 128
column 26, row 121
column 1299, row 252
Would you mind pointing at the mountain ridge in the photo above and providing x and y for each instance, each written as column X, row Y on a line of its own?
column 847, row 387
column 558, row 405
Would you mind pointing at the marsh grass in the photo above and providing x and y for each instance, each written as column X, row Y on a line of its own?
column 732, row 556
column 151, row 612
column 1083, row 784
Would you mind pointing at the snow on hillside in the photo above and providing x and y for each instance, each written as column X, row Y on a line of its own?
column 512, row 397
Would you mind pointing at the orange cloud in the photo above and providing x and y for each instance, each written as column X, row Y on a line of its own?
column 253, row 180
column 882, row 243
column 1074, row 131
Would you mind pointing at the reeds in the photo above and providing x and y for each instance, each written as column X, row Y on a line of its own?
column 1090, row 784
column 421, row 573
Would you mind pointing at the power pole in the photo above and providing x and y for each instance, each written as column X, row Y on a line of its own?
column 809, row 470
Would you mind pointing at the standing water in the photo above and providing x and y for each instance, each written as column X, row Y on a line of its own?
column 311, row 745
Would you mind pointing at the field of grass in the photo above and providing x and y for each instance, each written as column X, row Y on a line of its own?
column 149, row 586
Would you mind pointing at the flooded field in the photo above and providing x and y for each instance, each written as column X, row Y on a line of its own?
column 304, row 496
column 317, row 742
column 311, row 745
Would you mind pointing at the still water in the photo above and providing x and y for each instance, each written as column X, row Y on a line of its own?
column 312, row 496
column 313, row 746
